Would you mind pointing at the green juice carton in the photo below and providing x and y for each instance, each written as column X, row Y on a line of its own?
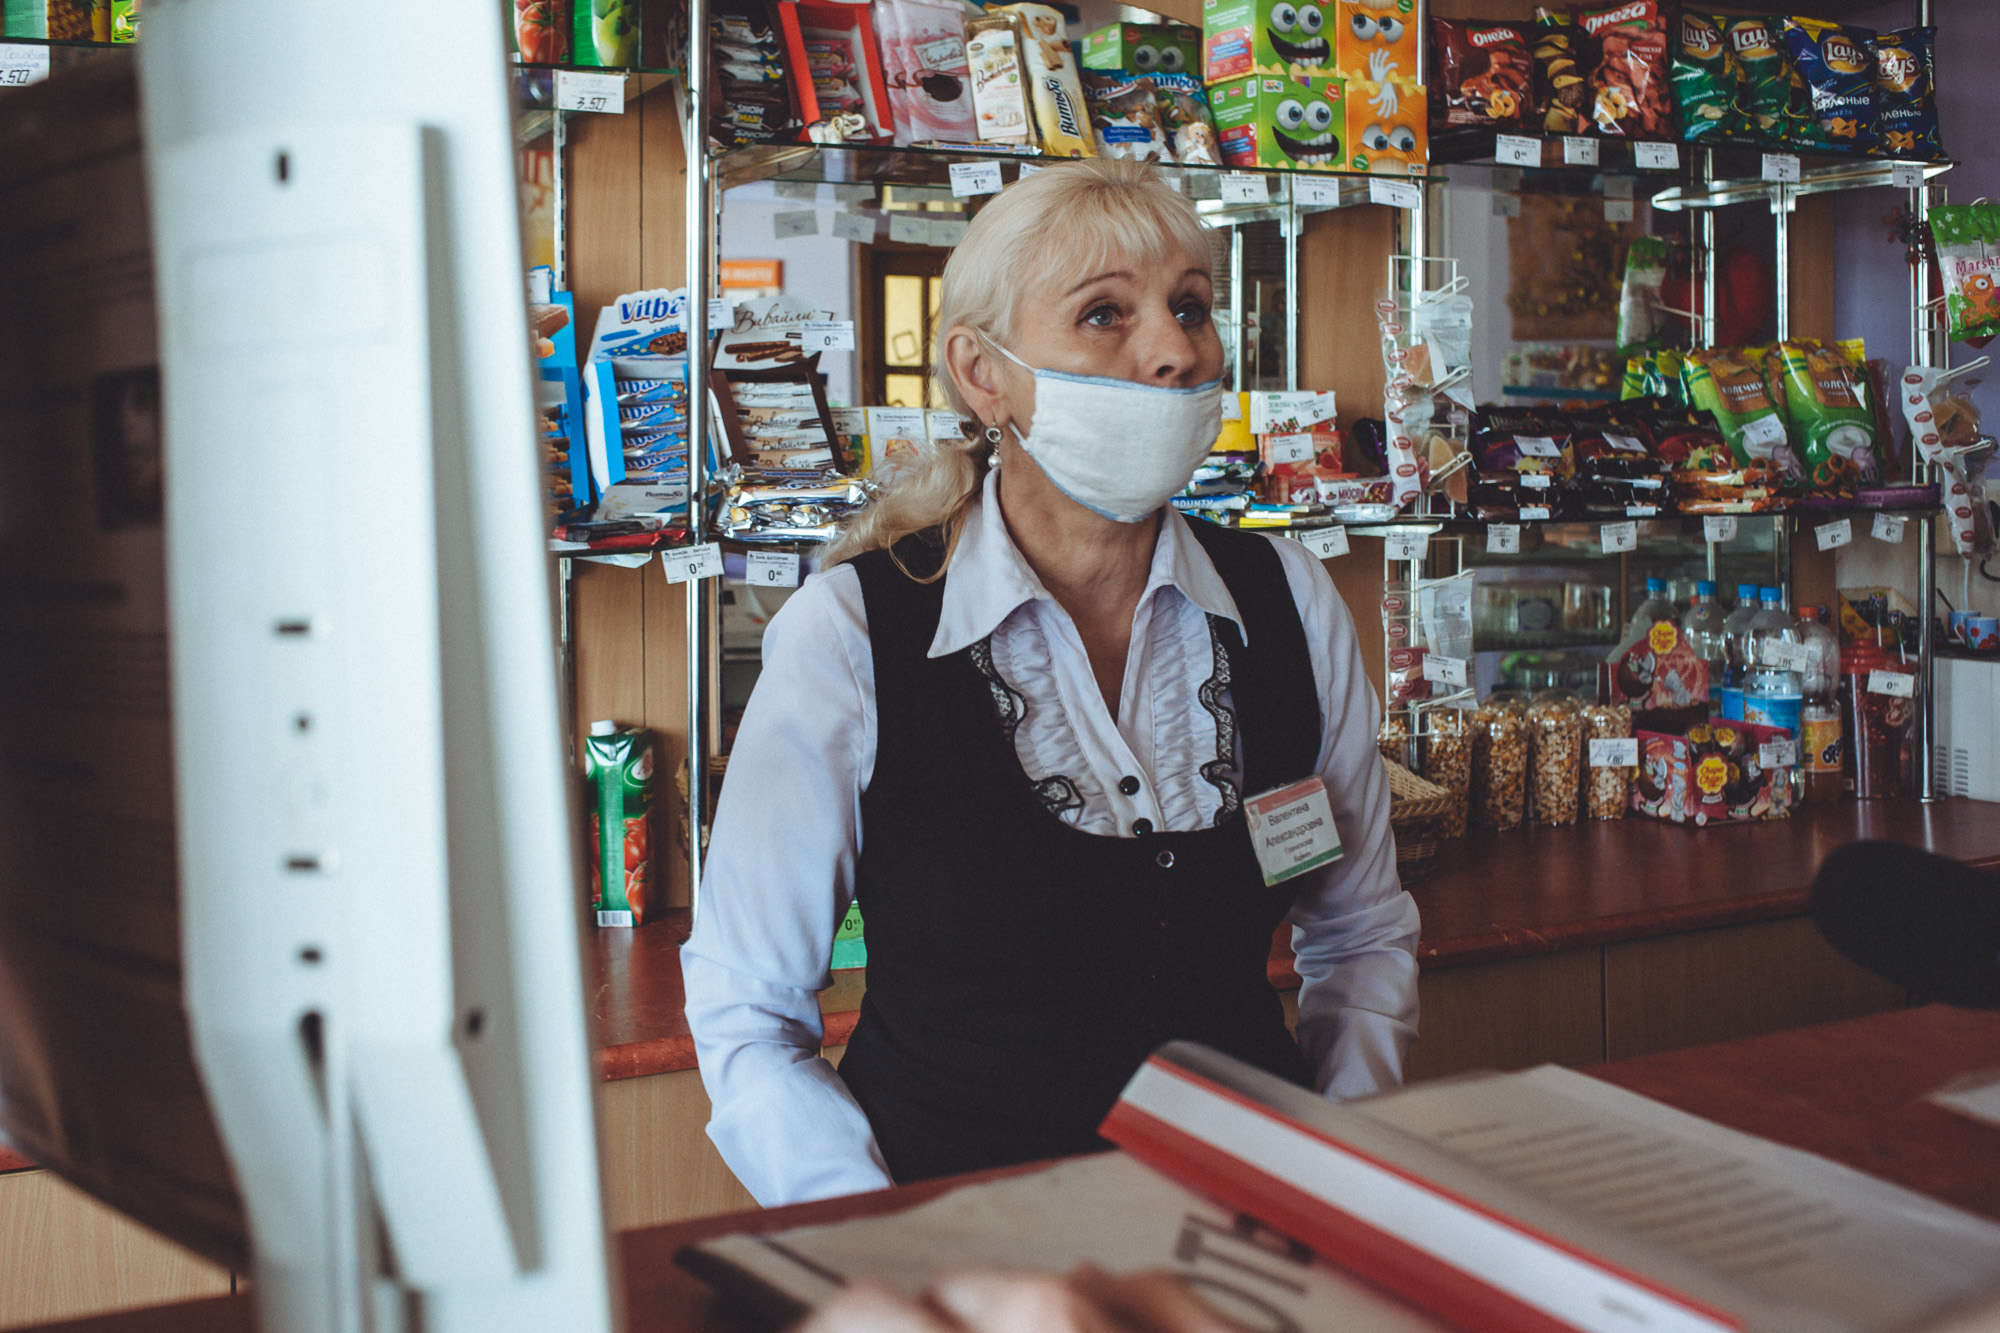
column 606, row 33
column 1293, row 123
column 618, row 772
column 1144, row 48
column 1283, row 37
column 849, row 948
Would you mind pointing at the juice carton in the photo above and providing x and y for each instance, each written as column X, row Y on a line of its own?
column 618, row 771
column 1375, row 39
column 1144, row 48
column 1388, row 128
column 1267, row 120
column 1285, row 37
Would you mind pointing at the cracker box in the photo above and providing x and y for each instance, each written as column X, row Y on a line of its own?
column 1144, row 48
column 1719, row 773
column 1388, row 129
column 1268, row 120
column 1286, row 37
column 1375, row 39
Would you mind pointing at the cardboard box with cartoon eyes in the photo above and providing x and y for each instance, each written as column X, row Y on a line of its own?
column 1387, row 128
column 1282, row 37
column 1375, row 39
column 1290, row 123
column 1144, row 48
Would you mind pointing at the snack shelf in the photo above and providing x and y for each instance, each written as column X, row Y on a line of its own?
column 1854, row 174
column 1733, row 161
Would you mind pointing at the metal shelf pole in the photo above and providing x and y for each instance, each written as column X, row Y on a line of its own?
column 700, row 244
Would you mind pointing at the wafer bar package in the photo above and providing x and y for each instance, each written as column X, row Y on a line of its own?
column 1485, row 72
column 995, row 55
column 618, row 771
column 1837, row 65
column 1629, row 71
column 1708, row 81
column 1906, row 119
column 1054, row 88
column 752, row 103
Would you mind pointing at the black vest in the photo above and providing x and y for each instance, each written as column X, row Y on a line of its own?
column 1020, row 970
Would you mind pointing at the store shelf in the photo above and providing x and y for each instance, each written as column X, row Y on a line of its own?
column 1854, row 174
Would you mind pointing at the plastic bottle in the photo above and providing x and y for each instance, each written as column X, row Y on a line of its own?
column 1773, row 693
column 1824, row 740
column 1702, row 627
column 1736, row 639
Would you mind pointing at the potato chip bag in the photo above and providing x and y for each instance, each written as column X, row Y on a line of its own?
column 1906, row 120
column 1826, row 401
column 1767, row 76
column 1629, row 90
column 1729, row 384
column 1708, row 80
column 1562, row 94
column 1968, row 253
column 1837, row 64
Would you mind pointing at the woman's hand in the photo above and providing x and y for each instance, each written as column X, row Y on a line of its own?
column 1088, row 1301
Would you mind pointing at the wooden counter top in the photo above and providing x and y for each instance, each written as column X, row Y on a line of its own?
column 1491, row 895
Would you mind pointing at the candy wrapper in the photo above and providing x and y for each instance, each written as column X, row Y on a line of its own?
column 1826, row 401
column 1190, row 128
column 644, row 335
column 1729, row 383
column 1906, row 119
column 1926, row 409
column 1967, row 237
column 924, row 64
column 1125, row 117
column 1485, row 75
column 1837, row 64
column 1708, row 80
column 1562, row 93
column 1055, row 89
column 1629, row 89
column 747, row 53
column 1768, row 77
column 994, row 55
column 618, row 772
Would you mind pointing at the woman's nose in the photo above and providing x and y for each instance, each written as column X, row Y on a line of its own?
column 1165, row 351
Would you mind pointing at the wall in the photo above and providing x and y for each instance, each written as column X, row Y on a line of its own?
column 818, row 267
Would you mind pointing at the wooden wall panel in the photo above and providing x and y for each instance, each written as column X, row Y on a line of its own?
column 68, row 1255
column 664, row 657
column 1510, row 1015
column 659, row 1165
column 1343, row 259
column 1812, row 268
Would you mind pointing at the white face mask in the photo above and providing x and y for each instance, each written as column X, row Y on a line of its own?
column 1117, row 447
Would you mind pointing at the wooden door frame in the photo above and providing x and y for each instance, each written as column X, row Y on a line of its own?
column 888, row 260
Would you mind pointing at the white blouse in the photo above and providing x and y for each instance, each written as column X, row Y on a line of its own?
column 788, row 827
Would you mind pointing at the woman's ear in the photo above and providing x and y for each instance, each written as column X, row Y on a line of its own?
column 971, row 366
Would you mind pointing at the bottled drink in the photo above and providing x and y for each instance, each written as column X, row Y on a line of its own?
column 1824, row 739
column 1657, row 606
column 1702, row 627
column 1774, row 691
column 1736, row 640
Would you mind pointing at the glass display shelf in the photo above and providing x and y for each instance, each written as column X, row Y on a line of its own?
column 1455, row 524
column 1736, row 160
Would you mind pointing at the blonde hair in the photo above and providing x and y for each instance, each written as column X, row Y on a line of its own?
column 1057, row 227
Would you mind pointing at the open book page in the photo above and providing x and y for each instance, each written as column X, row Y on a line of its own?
column 1108, row 1210
column 1787, row 1224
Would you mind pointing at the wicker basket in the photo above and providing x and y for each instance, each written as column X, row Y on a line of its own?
column 1415, row 808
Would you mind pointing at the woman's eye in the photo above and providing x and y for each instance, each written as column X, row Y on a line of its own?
column 1193, row 312
column 1102, row 317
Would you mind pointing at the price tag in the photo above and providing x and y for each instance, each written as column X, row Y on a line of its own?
column 691, row 564
column 1517, row 150
column 827, row 335
column 1579, row 151
column 1506, row 205
column 1537, row 446
column 1719, row 528
column 947, row 231
column 970, row 178
column 1897, row 683
column 1887, row 528
column 1619, row 537
column 1781, row 167
column 1777, row 754
column 1534, row 512
column 1617, row 210
column 1288, row 448
column 1656, row 156
column 1618, row 187
column 1837, row 533
column 772, row 569
column 1396, row 194
column 1326, row 543
column 1316, row 193
column 1906, row 175
column 1765, row 433
column 1786, row 656
column 23, row 65
column 854, row 194
column 721, row 314
column 1537, row 481
column 590, row 92
column 854, row 227
column 1614, row 752
column 1503, row 539
column 804, row 222
column 1403, row 544
column 1641, row 511
column 1027, row 169
column 909, row 229
column 1445, row 671
column 1238, row 188
column 1627, row 444
column 803, row 191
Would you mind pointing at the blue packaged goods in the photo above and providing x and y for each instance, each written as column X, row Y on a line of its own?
column 1837, row 65
column 1906, row 119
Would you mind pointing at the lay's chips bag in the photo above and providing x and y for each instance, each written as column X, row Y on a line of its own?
column 1837, row 65
column 1708, row 80
column 1906, row 119
column 1767, row 76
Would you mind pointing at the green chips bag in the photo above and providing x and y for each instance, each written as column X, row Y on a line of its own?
column 1968, row 252
column 1772, row 92
column 1730, row 386
column 1826, row 400
column 1708, row 80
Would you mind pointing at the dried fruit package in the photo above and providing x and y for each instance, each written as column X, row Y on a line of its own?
column 1562, row 95
column 1767, row 75
column 1906, row 120
column 923, row 62
column 1826, row 400
column 1968, row 252
column 1486, row 74
column 1837, row 64
column 1125, row 117
column 1708, row 81
column 1629, row 70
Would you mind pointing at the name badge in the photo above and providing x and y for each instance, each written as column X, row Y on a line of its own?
column 1292, row 830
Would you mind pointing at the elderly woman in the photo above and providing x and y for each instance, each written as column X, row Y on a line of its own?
column 1019, row 722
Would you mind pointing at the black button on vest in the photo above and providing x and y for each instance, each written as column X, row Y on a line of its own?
column 1020, row 970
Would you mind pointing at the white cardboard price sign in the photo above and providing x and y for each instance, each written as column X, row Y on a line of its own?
column 827, row 335
column 1238, row 188
column 1534, row 512
column 1614, row 752
column 1027, row 169
column 1656, row 156
column 1764, row 432
column 909, row 229
column 23, row 65
column 1326, row 543
column 1537, row 446
column 802, row 222
column 1503, row 539
column 1579, row 151
column 970, row 178
column 946, row 231
column 1316, row 193
column 1719, row 528
column 854, row 227
column 1396, row 194
column 1887, row 528
column 1837, row 533
column 802, row 191
column 1445, row 671
column 1288, row 448
column 1618, row 187
column 1506, row 205
column 1781, row 167
column 854, row 194
column 1537, row 481
column 590, row 92
column 1517, row 150
column 690, row 564
column 772, row 569
column 1403, row 544
column 1777, row 754
column 1900, row 684
column 1906, row 175
column 721, row 314
column 1786, row 656
column 1619, row 537
column 1617, row 210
